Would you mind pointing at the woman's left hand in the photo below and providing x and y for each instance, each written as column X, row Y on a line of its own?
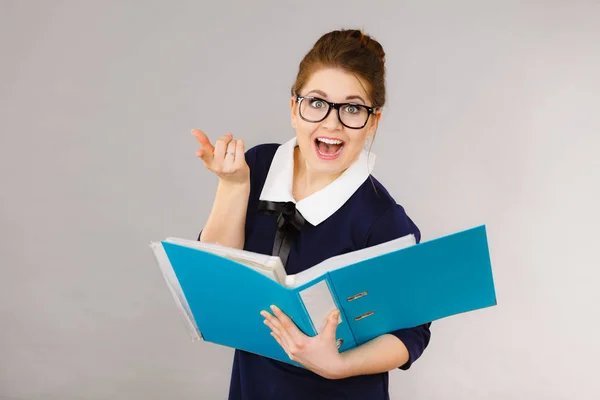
column 318, row 353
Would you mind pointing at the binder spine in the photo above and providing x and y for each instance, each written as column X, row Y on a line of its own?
column 342, row 304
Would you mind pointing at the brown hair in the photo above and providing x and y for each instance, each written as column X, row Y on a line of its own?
column 352, row 51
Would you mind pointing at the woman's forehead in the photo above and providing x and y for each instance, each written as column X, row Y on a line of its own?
column 336, row 84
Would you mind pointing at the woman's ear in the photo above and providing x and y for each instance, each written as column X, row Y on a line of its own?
column 374, row 124
column 378, row 116
column 293, row 112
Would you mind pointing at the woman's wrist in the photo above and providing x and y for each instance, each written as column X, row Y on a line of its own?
column 233, row 187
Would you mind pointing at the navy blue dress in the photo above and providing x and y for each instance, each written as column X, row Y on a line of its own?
column 338, row 220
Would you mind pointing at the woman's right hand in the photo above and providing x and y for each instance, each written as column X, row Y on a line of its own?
column 226, row 159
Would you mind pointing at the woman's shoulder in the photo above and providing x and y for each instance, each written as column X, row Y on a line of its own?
column 383, row 217
column 261, row 153
column 259, row 158
column 374, row 197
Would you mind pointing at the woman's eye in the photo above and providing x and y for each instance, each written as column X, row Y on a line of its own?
column 317, row 104
column 351, row 109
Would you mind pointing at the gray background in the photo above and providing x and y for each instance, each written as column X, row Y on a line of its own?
column 493, row 117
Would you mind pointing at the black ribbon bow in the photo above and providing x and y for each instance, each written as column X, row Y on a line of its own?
column 289, row 223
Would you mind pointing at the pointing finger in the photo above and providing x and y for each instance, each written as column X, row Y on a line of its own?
column 202, row 139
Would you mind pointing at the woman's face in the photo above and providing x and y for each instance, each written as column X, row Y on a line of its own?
column 328, row 146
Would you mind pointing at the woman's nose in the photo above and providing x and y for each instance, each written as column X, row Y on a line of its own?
column 332, row 121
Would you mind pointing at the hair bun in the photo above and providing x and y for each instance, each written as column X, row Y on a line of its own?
column 369, row 43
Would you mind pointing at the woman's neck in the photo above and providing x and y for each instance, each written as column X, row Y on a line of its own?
column 307, row 182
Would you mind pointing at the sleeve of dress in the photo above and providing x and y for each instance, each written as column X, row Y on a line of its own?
column 250, row 156
column 392, row 224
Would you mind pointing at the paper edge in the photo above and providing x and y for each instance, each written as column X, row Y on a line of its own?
column 267, row 260
column 176, row 291
column 343, row 260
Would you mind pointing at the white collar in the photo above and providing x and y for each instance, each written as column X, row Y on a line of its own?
column 319, row 206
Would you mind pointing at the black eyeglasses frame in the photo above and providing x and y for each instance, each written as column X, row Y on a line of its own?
column 336, row 106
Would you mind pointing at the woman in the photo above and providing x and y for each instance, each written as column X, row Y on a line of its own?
column 309, row 199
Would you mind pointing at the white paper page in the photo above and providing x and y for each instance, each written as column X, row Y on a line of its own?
column 266, row 264
column 343, row 260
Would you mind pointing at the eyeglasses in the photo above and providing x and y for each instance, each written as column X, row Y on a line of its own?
column 351, row 115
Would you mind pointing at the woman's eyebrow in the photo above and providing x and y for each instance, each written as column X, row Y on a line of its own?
column 356, row 97
column 319, row 92
column 323, row 94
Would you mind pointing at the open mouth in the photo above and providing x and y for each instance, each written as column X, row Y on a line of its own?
column 328, row 148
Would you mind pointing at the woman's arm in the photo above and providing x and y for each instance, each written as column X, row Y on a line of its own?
column 320, row 354
column 381, row 354
column 226, row 221
column 398, row 349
